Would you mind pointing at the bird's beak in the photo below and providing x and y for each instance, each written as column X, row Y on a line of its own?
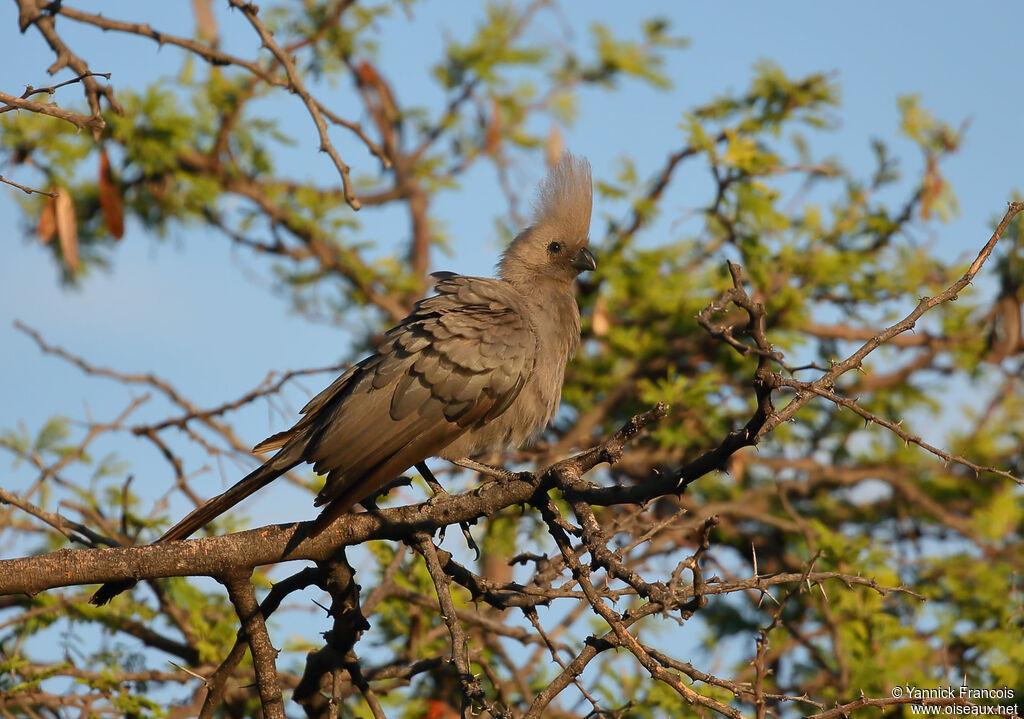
column 584, row 260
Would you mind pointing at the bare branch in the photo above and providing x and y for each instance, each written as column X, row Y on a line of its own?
column 30, row 13
column 827, row 381
column 297, row 86
column 27, row 190
column 254, row 629
column 95, row 122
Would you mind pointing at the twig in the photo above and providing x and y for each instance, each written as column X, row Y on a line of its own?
column 254, row 629
column 299, row 88
column 218, row 57
column 619, row 635
column 855, row 361
column 74, row 531
column 23, row 188
column 51, row 89
column 12, row 102
column 847, row 709
column 471, row 689
column 31, row 13
column 895, row 428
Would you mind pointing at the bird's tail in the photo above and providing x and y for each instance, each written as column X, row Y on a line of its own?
column 201, row 516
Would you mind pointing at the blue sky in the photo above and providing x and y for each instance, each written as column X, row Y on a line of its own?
column 196, row 312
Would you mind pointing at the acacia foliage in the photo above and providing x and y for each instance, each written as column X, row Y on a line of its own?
column 794, row 581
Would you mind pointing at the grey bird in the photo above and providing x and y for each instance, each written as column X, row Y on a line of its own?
column 476, row 367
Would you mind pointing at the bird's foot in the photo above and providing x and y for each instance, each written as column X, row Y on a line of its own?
column 431, row 481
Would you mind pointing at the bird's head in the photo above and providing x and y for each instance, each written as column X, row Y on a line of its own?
column 554, row 246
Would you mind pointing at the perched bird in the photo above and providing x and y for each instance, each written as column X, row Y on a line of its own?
column 476, row 367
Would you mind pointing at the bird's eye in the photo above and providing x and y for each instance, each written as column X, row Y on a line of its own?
column 555, row 247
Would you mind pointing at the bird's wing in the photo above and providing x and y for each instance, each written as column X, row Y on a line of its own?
column 457, row 362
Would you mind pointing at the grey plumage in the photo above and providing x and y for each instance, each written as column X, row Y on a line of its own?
column 476, row 367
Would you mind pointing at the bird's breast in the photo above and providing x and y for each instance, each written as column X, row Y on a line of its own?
column 555, row 321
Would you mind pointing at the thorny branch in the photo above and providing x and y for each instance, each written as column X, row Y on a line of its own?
column 587, row 569
column 471, row 688
column 297, row 86
column 30, row 12
column 415, row 524
column 11, row 102
column 218, row 57
column 824, row 386
column 254, row 630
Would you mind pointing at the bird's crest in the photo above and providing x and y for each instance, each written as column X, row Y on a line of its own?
column 565, row 197
column 561, row 215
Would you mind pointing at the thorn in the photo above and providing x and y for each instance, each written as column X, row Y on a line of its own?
column 326, row 610
column 188, row 671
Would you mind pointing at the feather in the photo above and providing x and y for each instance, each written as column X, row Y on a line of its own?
column 476, row 366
